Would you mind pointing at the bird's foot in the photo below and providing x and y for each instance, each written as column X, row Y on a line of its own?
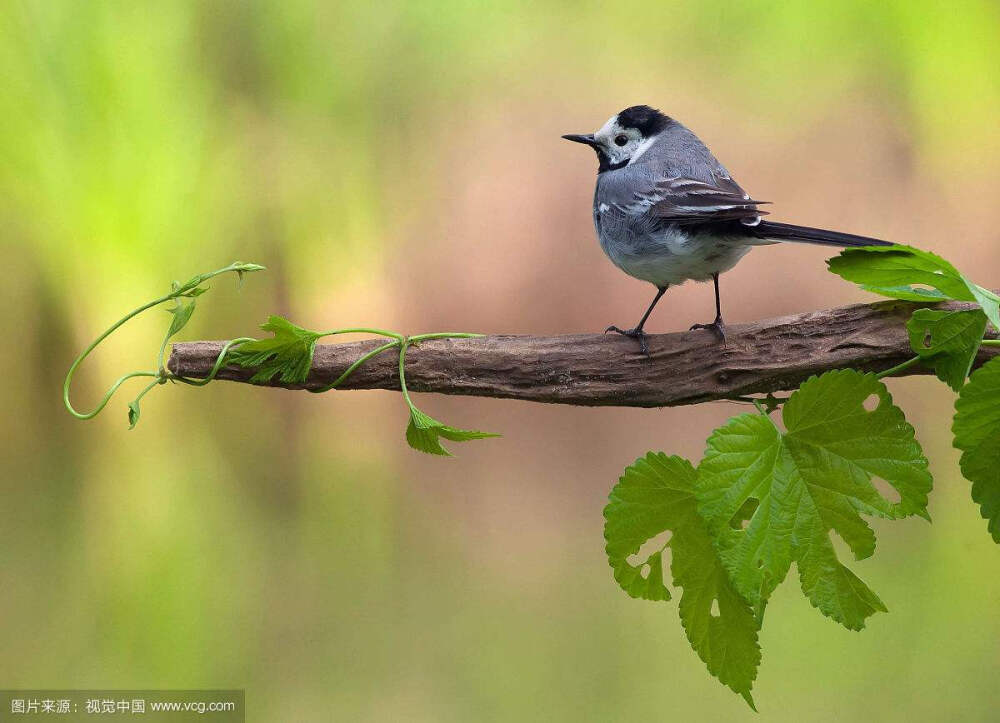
column 635, row 334
column 717, row 327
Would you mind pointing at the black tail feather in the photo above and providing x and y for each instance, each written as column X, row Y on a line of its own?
column 805, row 234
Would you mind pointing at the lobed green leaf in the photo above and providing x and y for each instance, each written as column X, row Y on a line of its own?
column 424, row 434
column 287, row 355
column 977, row 434
column 654, row 495
column 814, row 479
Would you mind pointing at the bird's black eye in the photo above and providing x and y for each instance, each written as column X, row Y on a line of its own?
column 621, row 140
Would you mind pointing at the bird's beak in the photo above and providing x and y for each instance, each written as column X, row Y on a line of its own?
column 588, row 138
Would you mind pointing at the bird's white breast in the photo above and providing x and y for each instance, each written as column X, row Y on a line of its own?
column 673, row 255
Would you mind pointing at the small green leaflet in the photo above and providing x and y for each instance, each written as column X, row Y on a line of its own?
column 287, row 355
column 657, row 494
column 133, row 413
column 948, row 341
column 181, row 312
column 424, row 433
column 813, row 479
column 896, row 272
column 977, row 434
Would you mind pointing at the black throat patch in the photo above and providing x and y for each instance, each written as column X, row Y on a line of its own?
column 604, row 163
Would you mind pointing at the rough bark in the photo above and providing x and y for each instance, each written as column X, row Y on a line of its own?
column 608, row 370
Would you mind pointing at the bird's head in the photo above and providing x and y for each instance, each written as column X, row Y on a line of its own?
column 625, row 137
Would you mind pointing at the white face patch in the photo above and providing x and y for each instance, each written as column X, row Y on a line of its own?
column 621, row 144
column 642, row 148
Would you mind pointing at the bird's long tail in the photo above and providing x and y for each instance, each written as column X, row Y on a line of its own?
column 772, row 230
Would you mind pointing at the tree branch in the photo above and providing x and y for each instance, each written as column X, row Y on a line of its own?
column 598, row 370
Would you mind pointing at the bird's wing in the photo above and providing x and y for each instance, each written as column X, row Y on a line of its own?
column 687, row 200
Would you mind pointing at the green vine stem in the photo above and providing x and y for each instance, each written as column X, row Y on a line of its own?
column 181, row 314
column 402, row 374
column 355, row 365
column 898, row 368
column 375, row 352
column 401, row 341
column 407, row 341
column 190, row 288
column 220, row 362
column 107, row 395
column 362, row 330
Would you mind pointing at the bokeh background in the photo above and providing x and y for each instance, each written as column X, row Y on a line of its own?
column 398, row 164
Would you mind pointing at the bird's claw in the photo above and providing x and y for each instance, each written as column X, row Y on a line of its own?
column 633, row 333
column 717, row 327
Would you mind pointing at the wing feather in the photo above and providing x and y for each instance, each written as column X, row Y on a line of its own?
column 687, row 200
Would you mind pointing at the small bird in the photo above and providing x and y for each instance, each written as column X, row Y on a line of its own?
column 666, row 211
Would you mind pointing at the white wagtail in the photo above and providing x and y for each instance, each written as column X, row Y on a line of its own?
column 667, row 211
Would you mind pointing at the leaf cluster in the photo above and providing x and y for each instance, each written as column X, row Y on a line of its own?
column 769, row 493
column 947, row 341
column 287, row 354
column 761, row 498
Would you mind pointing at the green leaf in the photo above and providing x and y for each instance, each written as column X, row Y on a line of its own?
column 133, row 413
column 811, row 480
column 989, row 302
column 287, row 355
column 893, row 270
column 654, row 495
column 423, row 433
column 977, row 435
column 902, row 272
column 182, row 312
column 948, row 341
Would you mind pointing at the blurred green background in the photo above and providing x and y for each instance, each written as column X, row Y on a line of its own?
column 398, row 164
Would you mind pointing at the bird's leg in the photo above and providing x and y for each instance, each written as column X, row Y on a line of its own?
column 637, row 332
column 717, row 326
